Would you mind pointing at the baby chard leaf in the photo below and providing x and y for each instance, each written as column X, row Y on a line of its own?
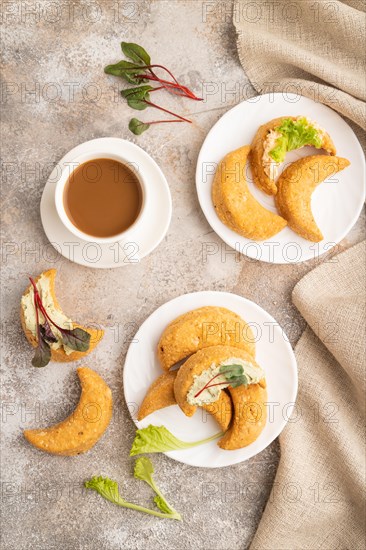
column 126, row 70
column 141, row 92
column 46, row 332
column 136, row 97
column 42, row 354
column 231, row 371
column 234, row 374
column 76, row 339
column 138, row 104
column 137, row 127
column 135, row 52
column 239, row 381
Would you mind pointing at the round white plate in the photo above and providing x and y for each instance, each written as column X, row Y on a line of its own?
column 336, row 203
column 273, row 353
column 141, row 241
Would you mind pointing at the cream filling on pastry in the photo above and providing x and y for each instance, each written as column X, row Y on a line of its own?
column 212, row 394
column 27, row 303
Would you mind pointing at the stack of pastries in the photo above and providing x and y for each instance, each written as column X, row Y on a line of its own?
column 192, row 349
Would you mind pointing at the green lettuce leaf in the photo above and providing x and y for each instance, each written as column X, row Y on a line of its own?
column 294, row 134
column 158, row 439
column 162, row 504
column 144, row 470
column 108, row 489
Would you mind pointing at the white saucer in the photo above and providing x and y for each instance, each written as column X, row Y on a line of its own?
column 273, row 353
column 336, row 203
column 142, row 240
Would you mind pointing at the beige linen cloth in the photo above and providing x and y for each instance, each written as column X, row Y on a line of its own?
column 317, row 49
column 317, row 499
column 314, row 48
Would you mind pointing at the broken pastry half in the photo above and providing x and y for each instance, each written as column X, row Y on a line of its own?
column 54, row 335
column 278, row 136
column 206, row 376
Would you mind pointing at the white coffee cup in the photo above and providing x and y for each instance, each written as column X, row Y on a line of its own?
column 59, row 197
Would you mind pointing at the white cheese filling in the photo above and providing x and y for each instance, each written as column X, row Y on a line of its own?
column 212, row 394
column 270, row 166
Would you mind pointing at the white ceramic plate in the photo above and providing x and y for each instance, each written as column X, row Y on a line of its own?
column 336, row 203
column 142, row 240
column 273, row 353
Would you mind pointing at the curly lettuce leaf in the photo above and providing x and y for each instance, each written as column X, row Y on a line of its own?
column 158, row 439
column 108, row 489
column 294, row 134
column 144, row 470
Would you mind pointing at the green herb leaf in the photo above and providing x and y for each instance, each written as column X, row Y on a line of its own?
column 137, row 127
column 76, row 339
column 42, row 355
column 234, row 375
column 136, row 53
column 126, row 70
column 46, row 332
column 138, row 104
column 231, row 371
column 239, row 381
column 158, row 439
column 141, row 92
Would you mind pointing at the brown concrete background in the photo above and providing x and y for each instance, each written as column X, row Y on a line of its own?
column 52, row 51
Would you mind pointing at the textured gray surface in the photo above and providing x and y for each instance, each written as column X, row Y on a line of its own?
column 44, row 505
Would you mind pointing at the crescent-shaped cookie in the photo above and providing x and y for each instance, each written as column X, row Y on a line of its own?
column 85, row 426
column 197, row 364
column 234, row 203
column 58, row 354
column 202, row 328
column 261, row 179
column 249, row 416
column 295, row 187
column 161, row 395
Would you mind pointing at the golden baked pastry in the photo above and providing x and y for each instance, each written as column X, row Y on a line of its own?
column 85, row 426
column 249, row 416
column 295, row 187
column 159, row 395
column 235, row 205
column 201, row 328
